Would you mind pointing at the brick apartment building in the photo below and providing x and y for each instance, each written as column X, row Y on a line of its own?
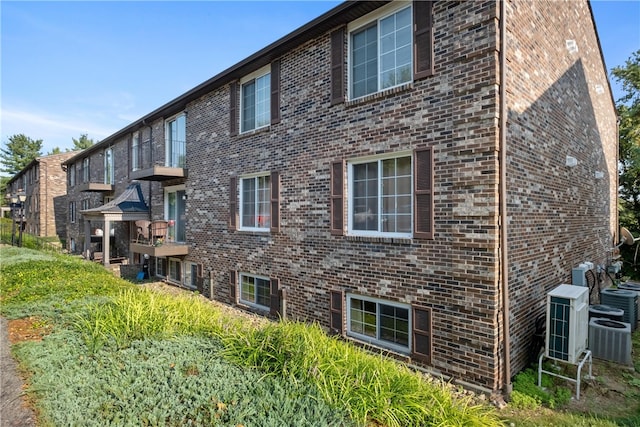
column 413, row 176
column 45, row 208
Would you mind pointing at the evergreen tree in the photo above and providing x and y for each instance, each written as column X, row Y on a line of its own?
column 20, row 150
column 81, row 143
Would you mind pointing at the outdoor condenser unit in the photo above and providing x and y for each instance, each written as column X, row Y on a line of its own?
column 624, row 299
column 567, row 323
column 610, row 340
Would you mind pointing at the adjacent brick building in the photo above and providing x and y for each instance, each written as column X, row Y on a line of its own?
column 43, row 182
column 414, row 176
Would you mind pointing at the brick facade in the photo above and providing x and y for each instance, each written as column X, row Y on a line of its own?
column 556, row 216
column 44, row 183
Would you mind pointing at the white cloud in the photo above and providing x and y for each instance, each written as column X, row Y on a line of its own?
column 54, row 130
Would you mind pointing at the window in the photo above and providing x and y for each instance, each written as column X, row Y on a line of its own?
column 259, row 97
column 109, row 177
column 255, row 291
column 175, row 270
column 135, row 151
column 71, row 171
column 380, row 322
column 161, row 267
column 381, row 197
column 176, row 137
column 85, row 204
column 85, row 169
column 255, row 101
column 174, row 205
column 255, row 196
column 381, row 54
column 386, row 196
column 72, row 212
column 191, row 275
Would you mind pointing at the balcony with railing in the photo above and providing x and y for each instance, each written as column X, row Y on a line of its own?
column 85, row 183
column 157, row 239
column 150, row 165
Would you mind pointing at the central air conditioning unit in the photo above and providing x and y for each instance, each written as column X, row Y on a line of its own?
column 610, row 340
column 567, row 323
column 624, row 299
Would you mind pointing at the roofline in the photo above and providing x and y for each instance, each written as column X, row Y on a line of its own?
column 339, row 15
column 32, row 163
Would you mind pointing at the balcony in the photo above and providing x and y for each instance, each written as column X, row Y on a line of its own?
column 154, row 240
column 148, row 168
column 98, row 187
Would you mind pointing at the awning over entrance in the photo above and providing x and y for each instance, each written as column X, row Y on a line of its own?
column 128, row 206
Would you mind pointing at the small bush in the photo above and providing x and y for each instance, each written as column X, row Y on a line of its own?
column 523, row 401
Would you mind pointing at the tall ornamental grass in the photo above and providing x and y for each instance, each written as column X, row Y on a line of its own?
column 372, row 388
column 136, row 314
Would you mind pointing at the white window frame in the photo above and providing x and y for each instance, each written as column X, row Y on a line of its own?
column 350, row 203
column 366, row 21
column 72, row 175
column 249, row 303
column 171, row 150
column 264, row 72
column 161, row 271
column 377, row 341
column 268, row 201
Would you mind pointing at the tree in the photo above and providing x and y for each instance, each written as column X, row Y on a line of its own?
column 19, row 152
column 81, row 143
column 628, row 108
column 55, row 150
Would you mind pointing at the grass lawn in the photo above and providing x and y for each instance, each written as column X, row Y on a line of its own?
column 113, row 353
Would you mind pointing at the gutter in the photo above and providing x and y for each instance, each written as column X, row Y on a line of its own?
column 507, row 387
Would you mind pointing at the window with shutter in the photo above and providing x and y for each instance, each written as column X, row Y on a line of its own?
column 380, row 322
column 390, row 47
column 422, row 342
column 255, row 100
column 255, row 291
column 255, row 202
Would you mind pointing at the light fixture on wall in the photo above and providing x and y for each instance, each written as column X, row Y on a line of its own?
column 598, row 174
column 571, row 161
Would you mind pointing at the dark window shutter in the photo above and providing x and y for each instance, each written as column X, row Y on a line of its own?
column 275, row 92
column 337, row 200
column 274, row 299
column 337, row 66
column 233, row 203
column 199, row 270
column 275, row 202
column 422, row 342
column 233, row 108
column 233, row 282
column 335, row 311
column 423, row 193
column 423, row 38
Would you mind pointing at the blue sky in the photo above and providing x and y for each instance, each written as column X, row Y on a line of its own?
column 70, row 68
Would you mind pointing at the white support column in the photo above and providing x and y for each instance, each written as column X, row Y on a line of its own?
column 87, row 239
column 106, row 240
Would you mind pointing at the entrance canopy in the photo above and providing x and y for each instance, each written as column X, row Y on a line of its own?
column 128, row 206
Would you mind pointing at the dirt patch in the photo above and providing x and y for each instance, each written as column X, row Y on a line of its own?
column 613, row 390
column 28, row 329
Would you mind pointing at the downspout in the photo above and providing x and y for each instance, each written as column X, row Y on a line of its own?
column 507, row 386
